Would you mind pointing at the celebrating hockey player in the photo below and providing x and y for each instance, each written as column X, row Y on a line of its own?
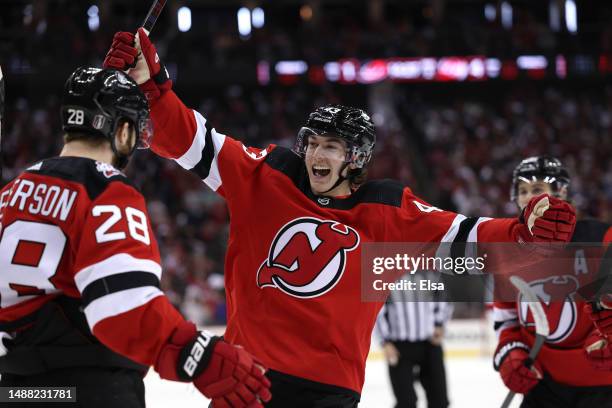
column 80, row 270
column 298, row 220
column 573, row 368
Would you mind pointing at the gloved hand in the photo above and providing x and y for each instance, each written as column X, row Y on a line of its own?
column 549, row 219
column 228, row 374
column 515, row 370
column 598, row 346
column 602, row 315
column 598, row 349
column 138, row 55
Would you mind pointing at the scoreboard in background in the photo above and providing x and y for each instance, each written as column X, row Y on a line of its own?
column 430, row 69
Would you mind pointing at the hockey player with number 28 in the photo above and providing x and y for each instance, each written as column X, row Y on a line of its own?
column 80, row 270
column 298, row 220
column 572, row 370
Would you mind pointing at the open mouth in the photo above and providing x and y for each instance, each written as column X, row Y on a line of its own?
column 320, row 171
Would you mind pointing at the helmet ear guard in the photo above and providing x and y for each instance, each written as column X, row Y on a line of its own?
column 144, row 130
column 361, row 156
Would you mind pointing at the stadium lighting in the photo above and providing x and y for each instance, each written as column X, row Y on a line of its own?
column 306, row 12
column 506, row 15
column 93, row 18
column 244, row 22
column 258, row 17
column 554, row 17
column 532, row 62
column 296, row 67
column 184, row 19
column 490, row 12
column 27, row 14
column 571, row 17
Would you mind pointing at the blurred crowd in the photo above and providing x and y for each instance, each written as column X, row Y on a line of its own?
column 456, row 149
column 473, row 145
column 458, row 154
column 43, row 33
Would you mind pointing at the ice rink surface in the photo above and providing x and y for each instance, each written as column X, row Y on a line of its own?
column 472, row 384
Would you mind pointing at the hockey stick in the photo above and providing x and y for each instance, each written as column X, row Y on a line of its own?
column 153, row 14
column 541, row 325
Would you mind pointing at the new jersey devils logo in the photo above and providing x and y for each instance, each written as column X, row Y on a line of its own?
column 307, row 257
column 555, row 294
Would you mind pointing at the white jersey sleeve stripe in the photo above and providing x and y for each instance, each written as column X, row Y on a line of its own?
column 119, row 302
column 445, row 248
column 214, row 177
column 453, row 230
column 500, row 315
column 201, row 157
column 114, row 265
column 473, row 235
column 193, row 156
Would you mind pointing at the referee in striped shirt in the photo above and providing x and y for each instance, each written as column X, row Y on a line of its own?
column 411, row 327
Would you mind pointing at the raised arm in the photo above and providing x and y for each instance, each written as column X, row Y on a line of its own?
column 180, row 133
column 545, row 219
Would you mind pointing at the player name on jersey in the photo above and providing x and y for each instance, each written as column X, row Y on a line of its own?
column 39, row 199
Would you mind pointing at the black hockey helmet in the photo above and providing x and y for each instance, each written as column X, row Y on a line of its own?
column 352, row 125
column 95, row 100
column 540, row 168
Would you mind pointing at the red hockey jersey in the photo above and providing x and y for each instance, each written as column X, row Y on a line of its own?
column 562, row 356
column 292, row 270
column 76, row 227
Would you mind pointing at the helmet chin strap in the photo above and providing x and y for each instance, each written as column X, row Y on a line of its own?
column 341, row 178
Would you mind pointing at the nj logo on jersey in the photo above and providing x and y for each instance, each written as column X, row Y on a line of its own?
column 108, row 170
column 307, row 257
column 555, row 294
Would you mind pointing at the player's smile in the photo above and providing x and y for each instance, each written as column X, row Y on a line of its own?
column 319, row 171
column 321, row 177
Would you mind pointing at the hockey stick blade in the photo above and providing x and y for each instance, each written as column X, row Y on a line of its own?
column 541, row 325
column 153, row 14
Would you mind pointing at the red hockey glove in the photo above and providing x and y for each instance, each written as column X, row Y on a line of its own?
column 225, row 373
column 138, row 54
column 602, row 316
column 122, row 54
column 598, row 349
column 549, row 219
column 513, row 363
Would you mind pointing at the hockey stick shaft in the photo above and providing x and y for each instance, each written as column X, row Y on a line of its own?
column 537, row 345
column 508, row 400
column 153, row 14
column 541, row 324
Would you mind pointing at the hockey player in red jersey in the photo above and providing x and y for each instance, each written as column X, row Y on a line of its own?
column 298, row 220
column 564, row 374
column 80, row 303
